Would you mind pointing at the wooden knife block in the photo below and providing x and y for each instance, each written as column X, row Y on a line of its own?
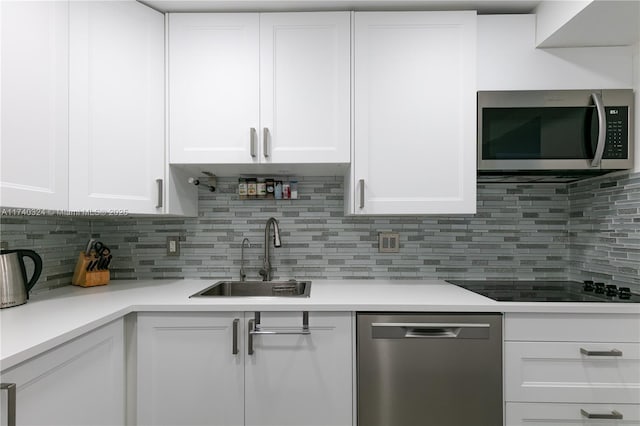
column 85, row 278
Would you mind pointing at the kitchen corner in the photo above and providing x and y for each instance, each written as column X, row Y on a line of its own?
column 334, row 214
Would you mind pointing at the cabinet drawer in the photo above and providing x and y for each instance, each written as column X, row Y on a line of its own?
column 540, row 414
column 559, row 372
column 572, row 327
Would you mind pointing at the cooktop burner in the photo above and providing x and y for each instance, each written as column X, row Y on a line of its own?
column 549, row 291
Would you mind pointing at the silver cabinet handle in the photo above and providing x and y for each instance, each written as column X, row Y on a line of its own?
column 613, row 416
column 11, row 402
column 393, row 330
column 612, row 352
column 602, row 129
column 250, row 337
column 266, row 149
column 257, row 329
column 254, row 143
column 234, row 346
column 361, row 183
column 160, row 201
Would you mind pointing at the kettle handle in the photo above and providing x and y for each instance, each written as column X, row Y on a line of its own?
column 37, row 261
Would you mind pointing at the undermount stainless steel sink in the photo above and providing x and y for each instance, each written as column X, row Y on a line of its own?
column 291, row 288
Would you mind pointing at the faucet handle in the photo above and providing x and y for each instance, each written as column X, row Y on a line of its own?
column 263, row 273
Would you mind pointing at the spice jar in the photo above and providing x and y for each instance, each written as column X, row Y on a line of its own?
column 278, row 190
column 286, row 191
column 252, row 187
column 270, row 188
column 261, row 188
column 242, row 188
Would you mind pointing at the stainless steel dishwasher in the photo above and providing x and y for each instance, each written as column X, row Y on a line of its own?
column 429, row 369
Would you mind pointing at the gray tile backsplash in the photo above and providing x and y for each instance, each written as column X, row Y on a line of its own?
column 57, row 239
column 518, row 232
column 539, row 231
column 604, row 223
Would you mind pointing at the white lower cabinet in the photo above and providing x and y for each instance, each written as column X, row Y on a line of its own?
column 188, row 373
column 573, row 372
column 293, row 379
column 544, row 414
column 81, row 382
column 572, row 369
column 203, row 368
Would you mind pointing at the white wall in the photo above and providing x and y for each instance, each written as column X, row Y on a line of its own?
column 508, row 60
column 553, row 15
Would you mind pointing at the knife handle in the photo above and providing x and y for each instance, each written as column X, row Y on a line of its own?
column 87, row 251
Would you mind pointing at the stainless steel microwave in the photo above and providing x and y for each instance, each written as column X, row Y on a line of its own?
column 572, row 131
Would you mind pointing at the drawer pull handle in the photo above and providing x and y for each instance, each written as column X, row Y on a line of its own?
column 613, row 416
column 612, row 352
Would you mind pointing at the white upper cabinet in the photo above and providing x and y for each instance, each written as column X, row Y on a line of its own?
column 34, row 116
column 116, row 104
column 213, row 87
column 414, row 113
column 305, row 87
column 259, row 88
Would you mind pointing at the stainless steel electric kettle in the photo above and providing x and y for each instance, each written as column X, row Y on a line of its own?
column 14, row 285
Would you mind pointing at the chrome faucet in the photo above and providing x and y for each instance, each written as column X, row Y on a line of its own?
column 243, row 275
column 265, row 272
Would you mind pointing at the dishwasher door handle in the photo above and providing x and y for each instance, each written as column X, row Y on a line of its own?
column 402, row 330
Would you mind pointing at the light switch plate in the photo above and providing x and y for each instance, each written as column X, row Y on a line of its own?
column 173, row 246
column 388, row 242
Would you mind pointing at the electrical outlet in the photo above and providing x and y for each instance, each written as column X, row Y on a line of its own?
column 173, row 246
column 388, row 242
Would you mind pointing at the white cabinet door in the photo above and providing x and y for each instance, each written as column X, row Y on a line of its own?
column 259, row 88
column 300, row 379
column 305, row 87
column 34, row 113
column 414, row 113
column 213, row 87
column 565, row 372
column 188, row 373
column 79, row 383
column 116, row 106
column 541, row 414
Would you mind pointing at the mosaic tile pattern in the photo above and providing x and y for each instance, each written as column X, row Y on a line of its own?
column 604, row 220
column 57, row 239
column 543, row 231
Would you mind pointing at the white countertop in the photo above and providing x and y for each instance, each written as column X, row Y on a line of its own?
column 54, row 317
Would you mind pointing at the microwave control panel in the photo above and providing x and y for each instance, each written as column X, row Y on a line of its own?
column 616, row 145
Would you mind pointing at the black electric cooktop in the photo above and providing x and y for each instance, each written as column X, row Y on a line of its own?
column 549, row 291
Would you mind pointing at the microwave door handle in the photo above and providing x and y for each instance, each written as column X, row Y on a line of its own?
column 602, row 129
